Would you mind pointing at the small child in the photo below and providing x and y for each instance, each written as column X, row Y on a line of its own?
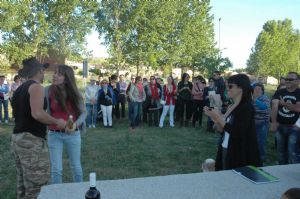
column 208, row 165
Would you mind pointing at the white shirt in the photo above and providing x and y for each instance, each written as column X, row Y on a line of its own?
column 91, row 92
column 226, row 136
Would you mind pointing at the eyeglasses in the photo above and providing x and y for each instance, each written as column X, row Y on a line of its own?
column 289, row 79
column 152, row 78
column 132, row 78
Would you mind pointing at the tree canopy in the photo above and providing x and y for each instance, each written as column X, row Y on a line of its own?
column 36, row 28
column 276, row 50
column 156, row 34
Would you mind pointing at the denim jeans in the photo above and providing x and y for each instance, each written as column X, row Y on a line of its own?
column 262, row 129
column 5, row 107
column 166, row 109
column 287, row 144
column 91, row 114
column 72, row 142
column 135, row 113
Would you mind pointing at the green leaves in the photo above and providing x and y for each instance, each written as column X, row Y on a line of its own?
column 40, row 28
column 156, row 33
column 276, row 50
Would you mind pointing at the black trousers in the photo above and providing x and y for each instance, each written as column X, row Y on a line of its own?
column 153, row 115
column 185, row 106
column 122, row 102
column 197, row 111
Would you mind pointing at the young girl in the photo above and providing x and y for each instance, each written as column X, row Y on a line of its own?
column 169, row 93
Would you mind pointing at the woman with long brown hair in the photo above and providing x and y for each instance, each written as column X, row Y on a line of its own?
column 66, row 102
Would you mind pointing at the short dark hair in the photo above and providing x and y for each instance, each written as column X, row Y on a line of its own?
column 294, row 73
column 259, row 85
column 293, row 193
column 16, row 77
column 2, row 76
column 113, row 77
column 217, row 72
column 211, row 79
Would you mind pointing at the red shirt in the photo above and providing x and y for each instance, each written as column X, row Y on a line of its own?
column 58, row 112
column 169, row 96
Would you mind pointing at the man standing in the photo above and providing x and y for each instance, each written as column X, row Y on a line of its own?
column 4, row 90
column 122, row 86
column 29, row 145
column 285, row 112
column 91, row 96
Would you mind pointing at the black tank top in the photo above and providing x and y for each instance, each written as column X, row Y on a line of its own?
column 24, row 122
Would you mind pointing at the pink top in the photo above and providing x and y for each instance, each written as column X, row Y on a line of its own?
column 197, row 91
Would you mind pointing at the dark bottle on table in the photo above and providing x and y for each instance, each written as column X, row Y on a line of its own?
column 92, row 193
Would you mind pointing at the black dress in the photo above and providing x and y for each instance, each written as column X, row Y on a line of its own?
column 242, row 147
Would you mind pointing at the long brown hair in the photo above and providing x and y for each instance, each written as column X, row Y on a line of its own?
column 67, row 91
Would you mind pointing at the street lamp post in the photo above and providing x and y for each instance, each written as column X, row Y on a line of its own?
column 219, row 37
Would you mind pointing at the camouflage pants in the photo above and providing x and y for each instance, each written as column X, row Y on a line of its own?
column 32, row 164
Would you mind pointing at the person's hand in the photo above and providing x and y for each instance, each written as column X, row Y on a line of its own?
column 93, row 101
column 282, row 102
column 212, row 113
column 68, row 130
column 60, row 123
column 274, row 126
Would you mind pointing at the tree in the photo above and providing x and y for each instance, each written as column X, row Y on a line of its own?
column 23, row 29
column 113, row 22
column 157, row 33
column 39, row 28
column 276, row 50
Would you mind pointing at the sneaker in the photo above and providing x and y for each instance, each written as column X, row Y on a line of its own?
column 6, row 121
column 90, row 126
column 160, row 126
column 172, row 125
column 93, row 126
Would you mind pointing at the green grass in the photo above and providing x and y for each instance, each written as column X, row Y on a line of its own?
column 118, row 153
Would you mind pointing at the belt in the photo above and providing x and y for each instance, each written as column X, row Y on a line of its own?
column 60, row 131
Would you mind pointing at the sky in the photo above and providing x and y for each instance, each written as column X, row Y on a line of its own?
column 241, row 22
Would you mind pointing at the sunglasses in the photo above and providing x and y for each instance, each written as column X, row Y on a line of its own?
column 289, row 79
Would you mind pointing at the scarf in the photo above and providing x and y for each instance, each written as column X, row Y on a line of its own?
column 140, row 89
column 154, row 91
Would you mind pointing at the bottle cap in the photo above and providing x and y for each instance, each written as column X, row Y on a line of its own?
column 93, row 179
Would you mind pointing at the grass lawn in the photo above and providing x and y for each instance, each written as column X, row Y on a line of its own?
column 117, row 153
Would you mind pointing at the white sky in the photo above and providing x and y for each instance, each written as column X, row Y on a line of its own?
column 241, row 22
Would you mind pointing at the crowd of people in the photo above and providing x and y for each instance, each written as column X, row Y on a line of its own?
column 236, row 108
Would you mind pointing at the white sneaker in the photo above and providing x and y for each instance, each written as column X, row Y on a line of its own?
column 6, row 121
column 90, row 126
column 172, row 125
column 93, row 126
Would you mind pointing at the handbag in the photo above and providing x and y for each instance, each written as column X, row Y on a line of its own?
column 162, row 102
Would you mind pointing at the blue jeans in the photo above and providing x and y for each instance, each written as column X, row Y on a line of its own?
column 72, row 142
column 91, row 114
column 287, row 144
column 135, row 113
column 262, row 129
column 5, row 107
